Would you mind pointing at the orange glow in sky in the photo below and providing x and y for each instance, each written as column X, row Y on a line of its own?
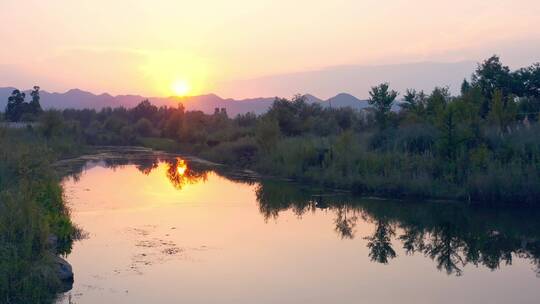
column 180, row 47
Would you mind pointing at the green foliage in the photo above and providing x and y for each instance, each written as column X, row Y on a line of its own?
column 242, row 152
column 382, row 99
column 437, row 101
column 267, row 134
column 293, row 116
column 144, row 127
column 31, row 208
column 451, row 133
column 502, row 111
column 52, row 123
column 414, row 105
column 490, row 76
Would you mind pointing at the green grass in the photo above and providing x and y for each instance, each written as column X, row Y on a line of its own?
column 32, row 207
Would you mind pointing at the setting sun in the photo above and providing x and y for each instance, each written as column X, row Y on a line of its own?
column 180, row 146
column 180, row 88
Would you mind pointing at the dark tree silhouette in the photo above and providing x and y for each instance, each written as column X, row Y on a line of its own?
column 380, row 243
column 17, row 109
column 345, row 223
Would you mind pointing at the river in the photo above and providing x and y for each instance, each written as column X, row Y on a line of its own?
column 164, row 229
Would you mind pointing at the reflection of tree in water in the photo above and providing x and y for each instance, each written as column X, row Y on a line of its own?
column 446, row 246
column 274, row 197
column 345, row 223
column 146, row 166
column 412, row 240
column 452, row 235
column 533, row 254
column 380, row 243
column 117, row 163
column 180, row 174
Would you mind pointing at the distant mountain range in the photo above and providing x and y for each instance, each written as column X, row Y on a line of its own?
column 79, row 99
column 355, row 79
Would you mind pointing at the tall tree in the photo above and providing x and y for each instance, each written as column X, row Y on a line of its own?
column 492, row 75
column 14, row 108
column 465, row 87
column 382, row 99
column 529, row 81
column 34, row 103
column 414, row 102
column 437, row 101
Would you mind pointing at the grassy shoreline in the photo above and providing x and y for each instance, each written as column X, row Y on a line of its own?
column 35, row 224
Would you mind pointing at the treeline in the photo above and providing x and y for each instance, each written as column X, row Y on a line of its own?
column 482, row 145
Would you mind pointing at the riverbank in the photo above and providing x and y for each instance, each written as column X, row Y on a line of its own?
column 35, row 224
column 115, row 156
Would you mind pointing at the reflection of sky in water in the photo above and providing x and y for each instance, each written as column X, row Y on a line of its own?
column 156, row 236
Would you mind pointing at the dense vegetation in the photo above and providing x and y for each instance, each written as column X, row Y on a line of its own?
column 480, row 146
column 34, row 221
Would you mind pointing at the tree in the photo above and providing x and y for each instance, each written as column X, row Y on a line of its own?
column 17, row 109
column 529, row 80
column 144, row 110
column 473, row 96
column 453, row 132
column 144, row 127
column 267, row 133
column 437, row 101
column 380, row 243
column 291, row 115
column 34, row 103
column 14, row 106
column 382, row 99
column 492, row 75
column 173, row 124
column 248, row 119
column 465, row 87
column 414, row 102
column 409, row 100
column 502, row 111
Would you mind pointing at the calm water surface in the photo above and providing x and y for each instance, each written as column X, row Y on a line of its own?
column 160, row 233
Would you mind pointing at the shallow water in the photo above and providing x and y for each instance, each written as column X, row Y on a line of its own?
column 160, row 234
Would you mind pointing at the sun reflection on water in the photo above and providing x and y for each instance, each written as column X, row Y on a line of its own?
column 181, row 166
column 179, row 174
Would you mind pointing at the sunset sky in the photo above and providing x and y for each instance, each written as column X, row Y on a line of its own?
column 192, row 47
